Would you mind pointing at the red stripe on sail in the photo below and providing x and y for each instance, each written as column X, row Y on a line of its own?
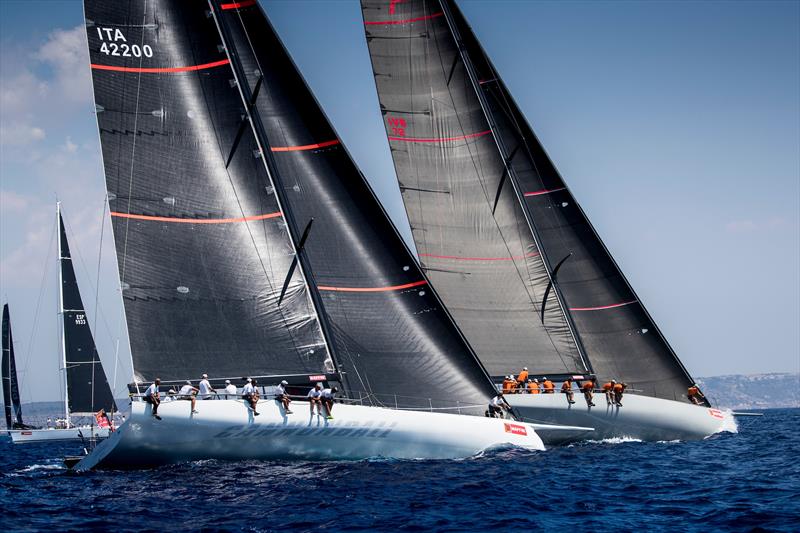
column 405, row 21
column 440, row 139
column 237, row 5
column 373, row 289
column 459, row 258
column 612, row 306
column 161, row 70
column 197, row 220
column 543, row 191
column 304, row 147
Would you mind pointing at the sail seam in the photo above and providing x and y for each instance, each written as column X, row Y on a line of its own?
column 440, row 139
column 543, row 191
column 600, row 308
column 197, row 220
column 404, row 21
column 237, row 5
column 459, row 258
column 304, row 147
column 190, row 68
column 373, row 289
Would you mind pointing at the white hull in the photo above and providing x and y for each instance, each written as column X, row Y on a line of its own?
column 640, row 417
column 78, row 433
column 227, row 429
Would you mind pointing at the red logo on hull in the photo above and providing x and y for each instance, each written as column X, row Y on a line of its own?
column 716, row 413
column 516, row 429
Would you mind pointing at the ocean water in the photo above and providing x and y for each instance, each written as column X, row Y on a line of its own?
column 729, row 482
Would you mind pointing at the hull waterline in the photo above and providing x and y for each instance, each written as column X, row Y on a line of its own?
column 640, row 417
column 227, row 430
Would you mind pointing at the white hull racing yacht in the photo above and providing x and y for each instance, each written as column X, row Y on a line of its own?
column 504, row 242
column 86, row 390
column 249, row 244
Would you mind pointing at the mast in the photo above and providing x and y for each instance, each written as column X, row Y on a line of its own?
column 63, row 339
column 506, row 156
column 257, row 127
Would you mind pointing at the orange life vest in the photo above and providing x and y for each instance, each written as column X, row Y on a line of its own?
column 533, row 388
column 693, row 391
column 587, row 386
column 619, row 387
column 506, row 386
column 567, row 386
column 548, row 386
column 523, row 376
column 607, row 386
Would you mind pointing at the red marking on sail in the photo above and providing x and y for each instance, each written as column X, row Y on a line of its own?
column 196, row 220
column 543, row 191
column 237, row 5
column 602, row 306
column 373, row 289
column 304, row 147
column 458, row 258
column 405, row 21
column 441, row 139
column 161, row 70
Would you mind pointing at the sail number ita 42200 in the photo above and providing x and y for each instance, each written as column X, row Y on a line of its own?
column 115, row 44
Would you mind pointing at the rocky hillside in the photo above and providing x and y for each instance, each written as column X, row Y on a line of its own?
column 753, row 391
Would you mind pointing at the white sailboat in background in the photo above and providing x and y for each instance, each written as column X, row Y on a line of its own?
column 86, row 390
column 217, row 161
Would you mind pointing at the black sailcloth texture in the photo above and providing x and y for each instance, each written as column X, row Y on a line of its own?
column 392, row 336
column 87, row 385
column 202, row 244
column 11, row 401
column 617, row 335
column 473, row 241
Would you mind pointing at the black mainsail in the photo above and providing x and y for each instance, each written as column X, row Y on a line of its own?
column 217, row 160
column 87, row 389
column 11, row 400
column 492, row 218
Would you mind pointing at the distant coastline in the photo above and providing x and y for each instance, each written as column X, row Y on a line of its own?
column 753, row 391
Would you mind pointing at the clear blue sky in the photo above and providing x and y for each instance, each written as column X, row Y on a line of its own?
column 676, row 125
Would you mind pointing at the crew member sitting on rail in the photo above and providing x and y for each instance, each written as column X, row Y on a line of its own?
column 189, row 392
column 549, row 387
column 523, row 377
column 315, row 398
column 608, row 389
column 533, row 386
column 588, row 388
column 205, row 388
column 230, row 390
column 152, row 397
column 619, row 388
column 327, row 396
column 566, row 388
column 506, row 385
column 496, row 406
column 281, row 396
column 250, row 395
column 695, row 396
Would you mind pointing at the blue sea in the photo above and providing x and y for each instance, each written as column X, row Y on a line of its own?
column 730, row 482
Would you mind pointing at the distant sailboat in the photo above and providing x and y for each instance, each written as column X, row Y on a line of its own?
column 86, row 389
column 11, row 398
column 503, row 240
column 249, row 244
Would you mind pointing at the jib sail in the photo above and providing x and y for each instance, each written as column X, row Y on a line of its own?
column 11, row 400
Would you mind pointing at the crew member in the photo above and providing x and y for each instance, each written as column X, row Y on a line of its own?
column 533, row 386
column 566, row 388
column 694, row 395
column 523, row 377
column 507, row 381
column 549, row 387
column 152, row 397
column 230, row 390
column 250, row 395
column 189, row 392
column 608, row 389
column 205, row 388
column 281, row 396
column 619, row 388
column 315, row 398
column 588, row 388
column 327, row 396
column 496, row 406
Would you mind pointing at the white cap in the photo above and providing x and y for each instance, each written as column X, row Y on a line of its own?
column 318, row 385
column 188, row 382
column 284, row 382
column 205, row 376
column 249, row 380
column 544, row 378
column 228, row 381
column 524, row 368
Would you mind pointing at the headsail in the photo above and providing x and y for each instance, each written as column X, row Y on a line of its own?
column 11, row 399
column 87, row 385
column 612, row 328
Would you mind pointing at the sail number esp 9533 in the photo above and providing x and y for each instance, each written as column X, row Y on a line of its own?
column 115, row 44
